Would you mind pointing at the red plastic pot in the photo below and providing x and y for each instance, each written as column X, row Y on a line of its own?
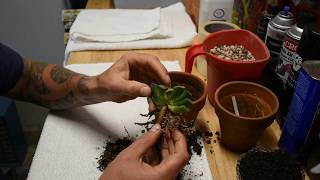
column 219, row 70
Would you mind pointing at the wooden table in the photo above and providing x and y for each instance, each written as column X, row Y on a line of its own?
column 221, row 160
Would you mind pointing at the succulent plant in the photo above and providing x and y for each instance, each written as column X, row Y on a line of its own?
column 171, row 103
column 176, row 99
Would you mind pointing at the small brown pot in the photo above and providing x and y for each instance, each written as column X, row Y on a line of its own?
column 196, row 86
column 240, row 133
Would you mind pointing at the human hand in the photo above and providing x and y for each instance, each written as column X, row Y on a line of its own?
column 130, row 77
column 129, row 163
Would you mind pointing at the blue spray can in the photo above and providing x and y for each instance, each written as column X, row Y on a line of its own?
column 303, row 120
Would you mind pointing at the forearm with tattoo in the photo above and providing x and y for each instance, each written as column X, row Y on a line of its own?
column 53, row 86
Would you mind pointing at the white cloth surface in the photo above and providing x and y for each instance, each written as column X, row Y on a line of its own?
column 72, row 140
column 182, row 32
column 119, row 25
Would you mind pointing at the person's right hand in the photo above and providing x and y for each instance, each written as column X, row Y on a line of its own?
column 129, row 164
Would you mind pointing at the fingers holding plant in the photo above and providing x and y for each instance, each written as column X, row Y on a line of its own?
column 129, row 163
column 131, row 76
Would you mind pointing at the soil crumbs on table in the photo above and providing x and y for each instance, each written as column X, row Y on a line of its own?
column 265, row 165
column 112, row 149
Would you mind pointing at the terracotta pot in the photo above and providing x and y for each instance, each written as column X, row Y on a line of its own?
column 219, row 70
column 196, row 86
column 257, row 106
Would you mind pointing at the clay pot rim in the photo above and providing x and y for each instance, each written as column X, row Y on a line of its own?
column 189, row 75
column 274, row 110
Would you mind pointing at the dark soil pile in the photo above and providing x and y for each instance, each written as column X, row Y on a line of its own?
column 111, row 150
column 259, row 164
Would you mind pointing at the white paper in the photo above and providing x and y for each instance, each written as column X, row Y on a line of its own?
column 72, row 140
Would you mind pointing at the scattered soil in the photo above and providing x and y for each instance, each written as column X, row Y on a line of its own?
column 208, row 133
column 184, row 173
column 264, row 165
column 111, row 150
column 171, row 121
column 193, row 144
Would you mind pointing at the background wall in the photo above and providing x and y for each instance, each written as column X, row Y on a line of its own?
column 35, row 30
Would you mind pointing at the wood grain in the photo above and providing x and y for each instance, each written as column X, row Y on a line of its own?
column 110, row 56
column 99, row 4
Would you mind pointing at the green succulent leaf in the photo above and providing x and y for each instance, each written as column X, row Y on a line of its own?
column 176, row 98
column 185, row 94
column 175, row 91
column 158, row 94
column 178, row 109
column 186, row 101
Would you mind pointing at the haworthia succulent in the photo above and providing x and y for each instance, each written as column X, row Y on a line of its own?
column 176, row 98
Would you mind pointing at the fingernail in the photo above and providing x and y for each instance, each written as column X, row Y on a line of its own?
column 145, row 91
column 168, row 79
column 156, row 128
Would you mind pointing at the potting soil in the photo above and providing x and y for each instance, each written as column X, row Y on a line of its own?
column 264, row 165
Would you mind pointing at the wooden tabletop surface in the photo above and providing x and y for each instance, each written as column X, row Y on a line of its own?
column 221, row 160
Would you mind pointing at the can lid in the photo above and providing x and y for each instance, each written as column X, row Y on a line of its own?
column 304, row 18
column 284, row 20
column 295, row 32
column 309, row 44
column 312, row 68
column 286, row 10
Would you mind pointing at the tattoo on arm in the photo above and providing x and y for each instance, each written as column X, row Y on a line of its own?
column 60, row 75
column 52, row 86
column 83, row 85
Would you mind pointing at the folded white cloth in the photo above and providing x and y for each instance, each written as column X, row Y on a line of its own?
column 72, row 140
column 182, row 33
column 119, row 25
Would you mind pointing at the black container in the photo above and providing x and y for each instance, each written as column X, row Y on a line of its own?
column 266, row 16
column 13, row 146
column 76, row 4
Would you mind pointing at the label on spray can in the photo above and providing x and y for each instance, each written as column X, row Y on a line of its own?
column 289, row 61
column 274, row 39
column 303, row 114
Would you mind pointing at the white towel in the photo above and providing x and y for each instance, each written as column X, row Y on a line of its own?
column 119, row 25
column 182, row 33
column 72, row 140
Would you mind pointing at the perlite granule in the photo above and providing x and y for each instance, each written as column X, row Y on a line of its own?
column 232, row 52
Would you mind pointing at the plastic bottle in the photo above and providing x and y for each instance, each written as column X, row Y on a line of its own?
column 215, row 10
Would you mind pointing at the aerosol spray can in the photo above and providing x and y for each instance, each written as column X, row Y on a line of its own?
column 308, row 49
column 276, row 31
column 301, row 129
column 266, row 16
column 288, row 64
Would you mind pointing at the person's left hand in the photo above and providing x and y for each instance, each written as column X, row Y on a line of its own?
column 129, row 163
column 130, row 77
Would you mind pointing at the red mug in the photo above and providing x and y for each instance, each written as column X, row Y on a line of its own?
column 219, row 70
